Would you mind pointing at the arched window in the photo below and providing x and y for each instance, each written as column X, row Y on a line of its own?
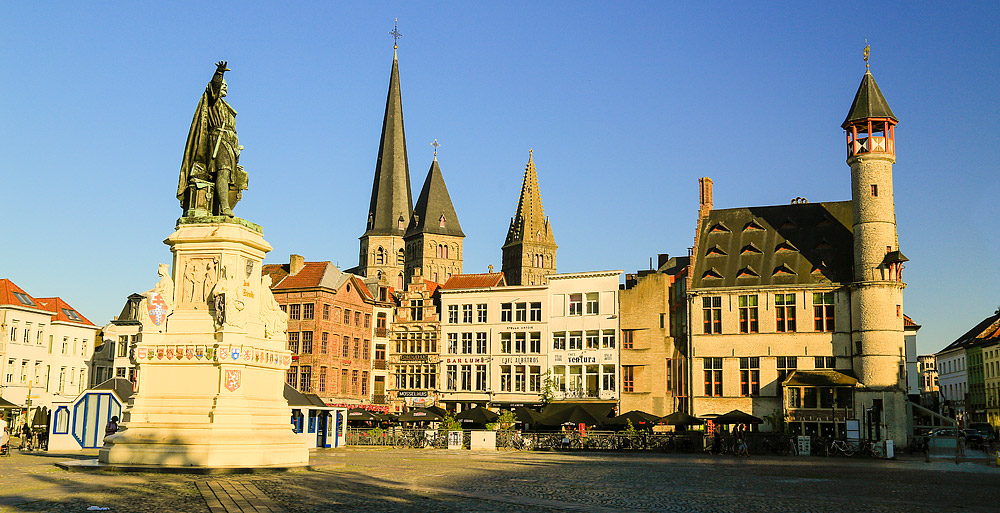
column 401, row 222
column 445, row 251
column 399, row 281
column 442, row 220
column 380, row 256
column 400, row 257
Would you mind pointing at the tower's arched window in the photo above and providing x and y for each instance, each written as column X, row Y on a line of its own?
column 400, row 257
column 399, row 281
column 445, row 251
column 380, row 256
column 401, row 222
column 442, row 220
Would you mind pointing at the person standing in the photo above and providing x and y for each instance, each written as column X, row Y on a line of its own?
column 112, row 426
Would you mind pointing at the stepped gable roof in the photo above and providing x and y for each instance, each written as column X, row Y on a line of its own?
column 391, row 196
column 474, row 281
column 529, row 222
column 312, row 274
column 63, row 311
column 434, row 212
column 11, row 294
column 796, row 244
column 987, row 331
column 868, row 103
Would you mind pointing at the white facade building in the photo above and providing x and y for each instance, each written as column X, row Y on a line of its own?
column 45, row 345
column 584, row 324
column 953, row 380
column 492, row 342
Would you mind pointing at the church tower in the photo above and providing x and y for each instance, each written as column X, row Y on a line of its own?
column 877, row 291
column 529, row 253
column 434, row 237
column 382, row 252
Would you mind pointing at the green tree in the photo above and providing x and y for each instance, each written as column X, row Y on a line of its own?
column 450, row 424
column 547, row 389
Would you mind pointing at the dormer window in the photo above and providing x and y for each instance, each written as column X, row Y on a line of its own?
column 788, row 224
column 783, row 270
column 753, row 225
column 719, row 228
column 785, row 246
column 712, row 273
column 747, row 272
column 441, row 221
column 751, row 249
column 715, row 251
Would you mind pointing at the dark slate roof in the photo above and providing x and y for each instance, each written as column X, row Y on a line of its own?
column 868, row 103
column 391, row 196
column 296, row 398
column 987, row 331
column 130, row 312
column 796, row 244
column 433, row 202
column 122, row 387
column 820, row 378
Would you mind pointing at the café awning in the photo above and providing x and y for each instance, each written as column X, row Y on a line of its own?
column 819, row 378
column 679, row 418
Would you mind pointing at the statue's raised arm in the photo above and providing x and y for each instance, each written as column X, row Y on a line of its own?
column 211, row 179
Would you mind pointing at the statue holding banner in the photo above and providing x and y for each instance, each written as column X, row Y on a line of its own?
column 211, row 179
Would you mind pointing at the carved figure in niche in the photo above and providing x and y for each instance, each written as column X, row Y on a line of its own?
column 275, row 320
column 190, row 279
column 211, row 277
column 157, row 307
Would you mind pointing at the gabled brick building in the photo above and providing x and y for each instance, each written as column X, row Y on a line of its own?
column 330, row 329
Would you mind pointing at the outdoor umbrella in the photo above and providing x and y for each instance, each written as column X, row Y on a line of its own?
column 526, row 415
column 419, row 415
column 638, row 418
column 576, row 414
column 5, row 404
column 361, row 414
column 41, row 417
column 737, row 417
column 441, row 412
column 679, row 418
column 477, row 415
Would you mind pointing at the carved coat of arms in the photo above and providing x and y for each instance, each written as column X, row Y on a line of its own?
column 232, row 380
column 157, row 309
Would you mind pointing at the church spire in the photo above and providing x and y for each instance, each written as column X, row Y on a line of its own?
column 391, row 206
column 391, row 202
column 529, row 253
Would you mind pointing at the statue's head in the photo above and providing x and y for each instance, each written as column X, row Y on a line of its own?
column 163, row 270
column 224, row 88
column 265, row 280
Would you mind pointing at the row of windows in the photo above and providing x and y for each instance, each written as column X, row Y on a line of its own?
column 581, row 381
column 302, row 343
column 301, row 378
column 481, row 313
column 472, row 378
column 79, row 346
column 33, row 373
column 750, row 372
column 784, row 313
column 576, row 303
column 520, row 312
column 416, row 377
column 577, row 340
column 307, row 311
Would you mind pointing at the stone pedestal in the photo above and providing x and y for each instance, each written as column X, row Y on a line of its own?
column 211, row 376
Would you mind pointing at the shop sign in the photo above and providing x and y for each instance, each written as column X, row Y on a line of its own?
column 508, row 360
column 471, row 359
column 413, row 358
column 581, row 359
column 412, row 393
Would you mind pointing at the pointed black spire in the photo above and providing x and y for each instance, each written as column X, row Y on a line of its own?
column 434, row 212
column 868, row 103
column 391, row 196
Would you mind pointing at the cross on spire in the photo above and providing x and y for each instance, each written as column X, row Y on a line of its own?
column 395, row 34
column 435, row 144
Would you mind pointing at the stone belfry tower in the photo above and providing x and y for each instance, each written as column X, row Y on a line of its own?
column 434, row 237
column 382, row 254
column 529, row 253
column 877, row 291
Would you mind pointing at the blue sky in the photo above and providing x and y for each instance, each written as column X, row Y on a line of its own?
column 625, row 105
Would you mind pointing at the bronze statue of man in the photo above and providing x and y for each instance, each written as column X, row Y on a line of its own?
column 211, row 155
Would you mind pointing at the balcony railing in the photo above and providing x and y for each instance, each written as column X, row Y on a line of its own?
column 381, row 332
column 378, row 364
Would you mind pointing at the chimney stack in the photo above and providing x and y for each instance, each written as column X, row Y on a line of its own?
column 705, row 199
column 295, row 264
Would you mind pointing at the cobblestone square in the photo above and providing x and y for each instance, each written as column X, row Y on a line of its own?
column 445, row 481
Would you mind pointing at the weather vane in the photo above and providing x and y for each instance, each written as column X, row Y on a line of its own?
column 395, row 34
column 867, row 51
column 435, row 144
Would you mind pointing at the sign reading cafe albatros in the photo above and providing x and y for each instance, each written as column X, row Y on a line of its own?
column 518, row 360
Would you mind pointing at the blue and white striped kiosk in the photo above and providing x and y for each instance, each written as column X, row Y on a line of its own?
column 321, row 426
column 79, row 424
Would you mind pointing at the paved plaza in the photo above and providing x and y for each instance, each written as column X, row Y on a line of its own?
column 439, row 480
